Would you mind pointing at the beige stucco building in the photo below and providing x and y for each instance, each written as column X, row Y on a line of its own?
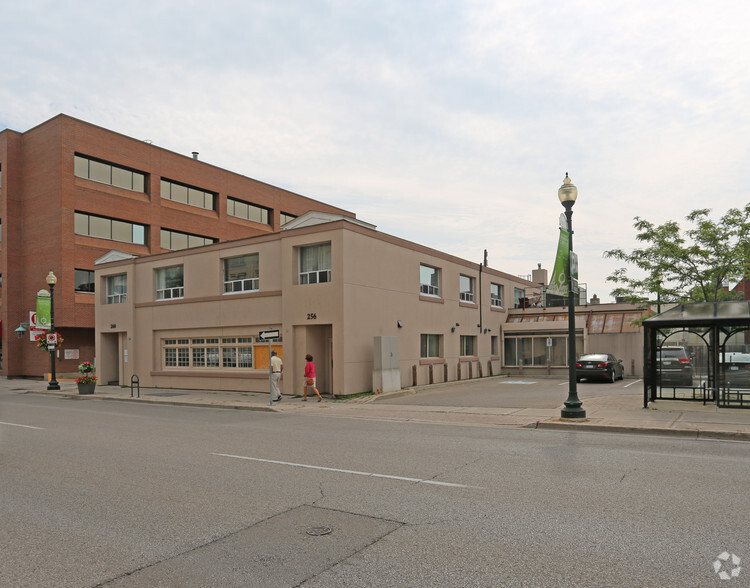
column 374, row 311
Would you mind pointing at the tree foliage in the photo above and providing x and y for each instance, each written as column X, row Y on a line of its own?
column 691, row 265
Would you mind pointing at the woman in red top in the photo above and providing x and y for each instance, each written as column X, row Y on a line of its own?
column 310, row 377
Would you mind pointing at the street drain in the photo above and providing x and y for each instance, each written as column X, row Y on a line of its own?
column 318, row 531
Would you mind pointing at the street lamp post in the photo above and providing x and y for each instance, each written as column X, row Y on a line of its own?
column 51, row 281
column 573, row 408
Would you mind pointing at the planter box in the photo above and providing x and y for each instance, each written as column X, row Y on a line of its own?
column 86, row 388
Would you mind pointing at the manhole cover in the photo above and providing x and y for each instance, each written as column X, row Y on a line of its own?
column 317, row 531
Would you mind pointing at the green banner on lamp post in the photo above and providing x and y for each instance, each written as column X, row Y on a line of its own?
column 558, row 283
column 43, row 309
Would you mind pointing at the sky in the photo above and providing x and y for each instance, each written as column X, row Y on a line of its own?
column 450, row 124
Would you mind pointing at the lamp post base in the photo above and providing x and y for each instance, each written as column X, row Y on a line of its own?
column 53, row 385
column 573, row 412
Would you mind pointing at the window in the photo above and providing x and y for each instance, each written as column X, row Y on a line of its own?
column 109, row 228
column 494, row 341
column 518, row 296
column 117, row 289
column 285, row 217
column 496, row 295
column 247, row 211
column 169, row 283
column 315, row 264
column 84, row 280
column 109, row 173
column 209, row 353
column 533, row 350
column 468, row 345
column 187, row 194
column 466, row 288
column 241, row 274
column 175, row 240
column 429, row 280
column 430, row 346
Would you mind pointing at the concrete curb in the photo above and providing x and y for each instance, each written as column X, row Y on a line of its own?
column 694, row 433
column 76, row 396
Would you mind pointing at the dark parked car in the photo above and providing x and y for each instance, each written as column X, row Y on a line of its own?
column 674, row 367
column 600, row 366
column 735, row 369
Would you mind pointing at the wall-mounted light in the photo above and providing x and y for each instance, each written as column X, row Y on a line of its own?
column 21, row 330
column 453, row 329
column 399, row 324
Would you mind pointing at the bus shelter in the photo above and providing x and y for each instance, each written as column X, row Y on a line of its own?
column 715, row 323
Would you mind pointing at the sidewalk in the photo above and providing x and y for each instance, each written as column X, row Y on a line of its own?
column 619, row 413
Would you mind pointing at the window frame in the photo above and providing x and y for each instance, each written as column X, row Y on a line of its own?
column 91, row 281
column 313, row 276
column 430, row 346
column 112, row 297
column 430, row 289
column 243, row 284
column 175, row 292
column 192, row 194
column 81, row 218
column 138, row 179
column 464, row 343
column 496, row 299
column 465, row 295
column 263, row 211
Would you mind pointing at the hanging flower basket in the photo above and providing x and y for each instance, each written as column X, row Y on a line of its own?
column 41, row 341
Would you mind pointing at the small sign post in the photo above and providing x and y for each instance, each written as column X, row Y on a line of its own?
column 269, row 336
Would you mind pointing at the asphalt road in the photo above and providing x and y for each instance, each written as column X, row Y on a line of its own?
column 123, row 494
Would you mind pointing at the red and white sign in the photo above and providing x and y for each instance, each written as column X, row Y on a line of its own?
column 35, row 330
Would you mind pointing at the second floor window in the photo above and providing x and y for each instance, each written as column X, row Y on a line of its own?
column 109, row 228
column 496, row 295
column 315, row 264
column 117, row 289
column 429, row 280
column 241, row 274
column 169, row 283
column 84, row 280
column 466, row 286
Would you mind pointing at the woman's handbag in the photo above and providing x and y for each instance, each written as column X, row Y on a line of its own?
column 309, row 381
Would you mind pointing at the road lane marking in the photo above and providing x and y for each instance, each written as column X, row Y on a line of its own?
column 340, row 471
column 24, row 426
column 631, row 383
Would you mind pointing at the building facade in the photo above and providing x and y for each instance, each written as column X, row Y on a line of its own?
column 71, row 191
column 360, row 301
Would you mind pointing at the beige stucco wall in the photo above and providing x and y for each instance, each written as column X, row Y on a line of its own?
column 375, row 284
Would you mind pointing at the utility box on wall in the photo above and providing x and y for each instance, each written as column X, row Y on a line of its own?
column 386, row 374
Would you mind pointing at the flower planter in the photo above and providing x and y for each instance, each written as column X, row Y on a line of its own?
column 86, row 388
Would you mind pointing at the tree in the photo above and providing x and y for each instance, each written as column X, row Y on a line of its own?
column 693, row 265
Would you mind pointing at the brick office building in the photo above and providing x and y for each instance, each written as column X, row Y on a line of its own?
column 71, row 191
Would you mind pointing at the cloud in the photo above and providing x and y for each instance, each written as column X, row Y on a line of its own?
column 449, row 124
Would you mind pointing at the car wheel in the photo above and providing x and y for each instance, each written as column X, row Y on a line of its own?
column 612, row 377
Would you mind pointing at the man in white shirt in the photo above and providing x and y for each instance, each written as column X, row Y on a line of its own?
column 277, row 366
